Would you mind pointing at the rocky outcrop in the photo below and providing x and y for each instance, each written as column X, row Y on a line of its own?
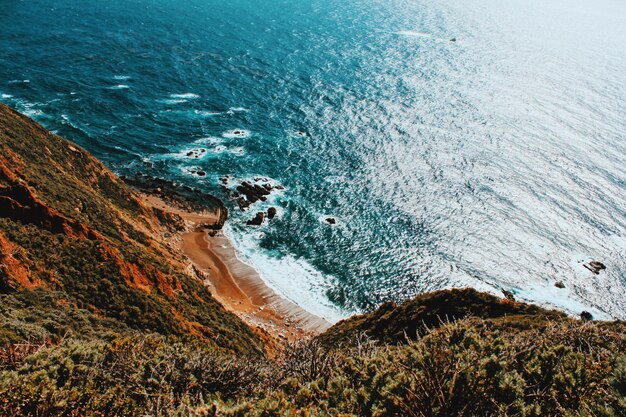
column 19, row 203
column 248, row 193
column 508, row 295
column 595, row 266
column 585, row 315
column 271, row 212
column 257, row 220
column 252, row 193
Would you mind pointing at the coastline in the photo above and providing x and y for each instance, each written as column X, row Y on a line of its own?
column 235, row 284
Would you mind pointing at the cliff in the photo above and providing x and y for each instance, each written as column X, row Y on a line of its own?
column 101, row 316
column 77, row 244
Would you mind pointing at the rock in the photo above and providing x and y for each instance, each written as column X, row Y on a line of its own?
column 258, row 219
column 508, row 295
column 271, row 212
column 201, row 173
column 190, row 153
column 453, row 40
column 331, row 220
column 559, row 284
column 224, row 180
column 585, row 315
column 595, row 266
column 252, row 193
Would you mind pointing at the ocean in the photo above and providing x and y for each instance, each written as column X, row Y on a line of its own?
column 457, row 143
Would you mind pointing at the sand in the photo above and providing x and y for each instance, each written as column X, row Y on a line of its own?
column 235, row 284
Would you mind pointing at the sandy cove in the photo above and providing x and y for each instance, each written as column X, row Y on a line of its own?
column 235, row 284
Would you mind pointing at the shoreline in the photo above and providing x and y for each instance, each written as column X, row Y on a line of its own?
column 234, row 283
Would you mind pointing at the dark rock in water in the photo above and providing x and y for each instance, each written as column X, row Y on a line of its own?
column 453, row 40
column 508, row 295
column 252, row 193
column 331, row 220
column 595, row 266
column 224, row 180
column 271, row 212
column 258, row 219
column 559, row 284
column 190, row 153
column 585, row 315
column 201, row 173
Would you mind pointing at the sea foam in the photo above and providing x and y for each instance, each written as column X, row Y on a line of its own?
column 291, row 278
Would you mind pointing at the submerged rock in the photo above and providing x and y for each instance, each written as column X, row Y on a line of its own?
column 257, row 220
column 595, row 266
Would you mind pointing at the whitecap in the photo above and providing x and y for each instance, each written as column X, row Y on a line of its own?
column 119, row 87
column 206, row 113
column 121, row 77
column 237, row 151
column 173, row 101
column 7, row 96
column 185, row 95
column 236, row 133
column 30, row 112
column 208, row 140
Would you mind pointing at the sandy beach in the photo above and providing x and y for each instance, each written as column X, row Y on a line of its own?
column 237, row 285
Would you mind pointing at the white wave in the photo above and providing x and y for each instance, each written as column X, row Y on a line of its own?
column 237, row 150
column 206, row 113
column 121, row 77
column 119, row 87
column 211, row 140
column 236, row 133
column 238, row 109
column 32, row 112
column 185, row 95
column 173, row 101
column 561, row 298
column 7, row 96
column 291, row 278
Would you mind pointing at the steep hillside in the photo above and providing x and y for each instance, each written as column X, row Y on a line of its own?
column 77, row 247
column 394, row 324
column 99, row 316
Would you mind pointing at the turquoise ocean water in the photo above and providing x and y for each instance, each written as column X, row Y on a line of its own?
column 496, row 161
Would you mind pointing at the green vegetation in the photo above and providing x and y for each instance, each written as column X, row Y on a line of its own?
column 74, row 238
column 471, row 367
column 99, row 318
